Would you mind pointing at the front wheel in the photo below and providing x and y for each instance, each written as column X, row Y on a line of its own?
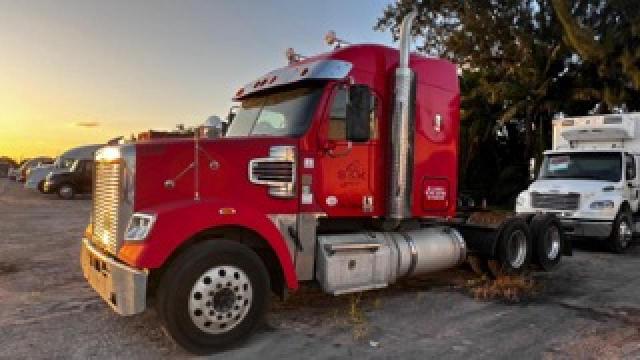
column 621, row 232
column 213, row 296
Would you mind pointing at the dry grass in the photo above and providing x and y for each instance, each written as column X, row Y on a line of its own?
column 511, row 288
column 357, row 318
column 349, row 311
column 489, row 218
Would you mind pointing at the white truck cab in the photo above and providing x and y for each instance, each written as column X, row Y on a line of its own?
column 590, row 178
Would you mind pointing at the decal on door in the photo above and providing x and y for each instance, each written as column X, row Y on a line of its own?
column 435, row 194
column 353, row 174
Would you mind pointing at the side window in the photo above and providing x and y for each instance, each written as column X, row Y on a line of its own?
column 338, row 116
column 631, row 167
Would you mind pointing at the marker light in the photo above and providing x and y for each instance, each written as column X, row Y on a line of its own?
column 109, row 153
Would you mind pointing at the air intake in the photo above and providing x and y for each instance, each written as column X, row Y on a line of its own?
column 276, row 171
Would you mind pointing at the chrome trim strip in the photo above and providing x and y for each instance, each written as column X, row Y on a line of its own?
column 414, row 253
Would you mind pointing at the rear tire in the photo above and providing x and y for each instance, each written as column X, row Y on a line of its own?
column 66, row 192
column 621, row 231
column 548, row 241
column 513, row 249
column 213, row 296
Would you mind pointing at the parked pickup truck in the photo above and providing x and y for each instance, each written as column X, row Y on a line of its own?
column 67, row 184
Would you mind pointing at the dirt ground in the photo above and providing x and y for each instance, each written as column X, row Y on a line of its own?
column 588, row 308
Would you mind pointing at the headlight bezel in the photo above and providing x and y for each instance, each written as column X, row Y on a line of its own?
column 139, row 226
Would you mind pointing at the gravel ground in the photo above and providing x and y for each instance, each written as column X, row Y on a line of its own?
column 588, row 308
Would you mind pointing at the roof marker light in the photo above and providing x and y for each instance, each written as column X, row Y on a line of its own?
column 331, row 38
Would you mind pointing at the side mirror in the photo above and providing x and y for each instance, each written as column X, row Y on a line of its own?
column 358, row 112
column 631, row 172
column 532, row 169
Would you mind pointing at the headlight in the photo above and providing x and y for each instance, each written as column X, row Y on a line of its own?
column 139, row 227
column 601, row 205
column 521, row 200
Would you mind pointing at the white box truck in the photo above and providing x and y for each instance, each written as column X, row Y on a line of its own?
column 590, row 178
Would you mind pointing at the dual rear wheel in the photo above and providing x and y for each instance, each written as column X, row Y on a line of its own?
column 541, row 242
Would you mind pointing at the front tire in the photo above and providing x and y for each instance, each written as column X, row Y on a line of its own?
column 213, row 296
column 41, row 186
column 621, row 232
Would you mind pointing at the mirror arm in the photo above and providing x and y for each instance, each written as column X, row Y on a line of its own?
column 334, row 154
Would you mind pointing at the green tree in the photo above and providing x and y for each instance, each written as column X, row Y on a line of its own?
column 514, row 63
column 605, row 34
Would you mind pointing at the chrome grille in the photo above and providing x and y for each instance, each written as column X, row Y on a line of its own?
column 277, row 171
column 106, row 200
column 272, row 172
column 569, row 201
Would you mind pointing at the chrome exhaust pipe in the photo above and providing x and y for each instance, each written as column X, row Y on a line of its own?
column 399, row 206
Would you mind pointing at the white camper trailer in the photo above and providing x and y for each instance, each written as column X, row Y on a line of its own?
column 590, row 178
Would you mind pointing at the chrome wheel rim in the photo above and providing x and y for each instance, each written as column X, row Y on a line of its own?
column 66, row 191
column 624, row 232
column 517, row 249
column 552, row 242
column 220, row 299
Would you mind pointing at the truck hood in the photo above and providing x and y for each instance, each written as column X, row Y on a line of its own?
column 564, row 186
column 44, row 170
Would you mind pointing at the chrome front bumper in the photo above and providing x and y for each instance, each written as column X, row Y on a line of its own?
column 585, row 228
column 124, row 288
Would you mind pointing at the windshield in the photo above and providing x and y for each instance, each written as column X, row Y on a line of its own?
column 285, row 113
column 590, row 166
column 74, row 165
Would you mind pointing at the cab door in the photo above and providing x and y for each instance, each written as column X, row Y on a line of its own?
column 85, row 178
column 348, row 185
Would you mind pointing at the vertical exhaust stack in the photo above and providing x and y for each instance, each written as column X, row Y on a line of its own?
column 402, row 122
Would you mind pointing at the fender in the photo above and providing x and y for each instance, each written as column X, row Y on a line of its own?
column 178, row 222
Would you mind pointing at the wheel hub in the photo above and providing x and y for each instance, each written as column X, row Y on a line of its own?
column 66, row 191
column 220, row 299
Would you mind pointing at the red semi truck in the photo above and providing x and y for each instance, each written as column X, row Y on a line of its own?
column 341, row 169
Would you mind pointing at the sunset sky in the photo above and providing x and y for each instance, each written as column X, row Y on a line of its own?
column 77, row 72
